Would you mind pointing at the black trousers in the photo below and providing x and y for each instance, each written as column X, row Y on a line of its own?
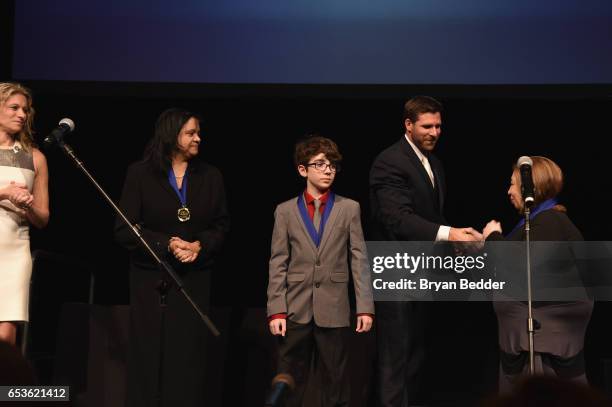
column 185, row 337
column 327, row 349
column 400, row 345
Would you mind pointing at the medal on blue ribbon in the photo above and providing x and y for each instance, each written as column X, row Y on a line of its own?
column 183, row 213
column 548, row 204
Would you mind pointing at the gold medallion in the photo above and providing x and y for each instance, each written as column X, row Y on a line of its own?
column 183, row 214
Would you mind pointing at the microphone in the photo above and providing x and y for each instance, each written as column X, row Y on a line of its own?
column 64, row 127
column 281, row 384
column 524, row 165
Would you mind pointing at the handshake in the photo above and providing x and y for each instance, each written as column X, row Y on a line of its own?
column 469, row 240
column 472, row 235
column 464, row 235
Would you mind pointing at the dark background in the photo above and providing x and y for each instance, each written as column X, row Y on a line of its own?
column 249, row 132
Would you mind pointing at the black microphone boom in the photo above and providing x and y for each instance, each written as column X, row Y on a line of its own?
column 64, row 127
column 281, row 384
column 524, row 165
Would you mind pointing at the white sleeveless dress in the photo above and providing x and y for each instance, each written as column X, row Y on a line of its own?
column 15, row 259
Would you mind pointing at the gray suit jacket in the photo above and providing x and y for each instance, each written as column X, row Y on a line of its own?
column 306, row 281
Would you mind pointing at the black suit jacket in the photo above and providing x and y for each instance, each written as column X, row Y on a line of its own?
column 405, row 205
column 149, row 201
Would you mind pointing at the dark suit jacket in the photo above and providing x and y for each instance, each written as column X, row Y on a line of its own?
column 563, row 324
column 149, row 200
column 309, row 282
column 405, row 205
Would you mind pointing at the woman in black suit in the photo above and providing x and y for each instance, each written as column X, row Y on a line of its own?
column 559, row 342
column 178, row 203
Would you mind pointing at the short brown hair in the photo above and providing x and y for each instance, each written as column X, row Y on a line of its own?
column 9, row 89
column 419, row 105
column 313, row 145
column 547, row 179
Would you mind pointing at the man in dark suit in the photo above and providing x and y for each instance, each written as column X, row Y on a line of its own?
column 407, row 192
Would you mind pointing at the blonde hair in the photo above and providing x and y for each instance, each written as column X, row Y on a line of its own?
column 9, row 89
column 547, row 180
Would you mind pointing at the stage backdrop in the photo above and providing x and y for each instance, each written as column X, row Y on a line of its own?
column 316, row 41
column 249, row 128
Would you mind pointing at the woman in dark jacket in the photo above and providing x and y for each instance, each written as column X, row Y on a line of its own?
column 559, row 341
column 178, row 203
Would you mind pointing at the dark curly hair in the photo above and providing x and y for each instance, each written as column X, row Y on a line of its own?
column 313, row 145
column 164, row 143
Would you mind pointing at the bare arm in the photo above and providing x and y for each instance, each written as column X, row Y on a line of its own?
column 38, row 212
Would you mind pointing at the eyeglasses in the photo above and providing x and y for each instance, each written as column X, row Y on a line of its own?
column 322, row 166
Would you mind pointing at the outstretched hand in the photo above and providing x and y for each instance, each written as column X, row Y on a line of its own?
column 464, row 235
column 492, row 226
column 466, row 240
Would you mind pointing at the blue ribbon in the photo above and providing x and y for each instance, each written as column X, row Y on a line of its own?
column 182, row 192
column 316, row 237
column 548, row 204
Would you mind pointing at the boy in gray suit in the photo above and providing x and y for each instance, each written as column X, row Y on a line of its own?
column 317, row 240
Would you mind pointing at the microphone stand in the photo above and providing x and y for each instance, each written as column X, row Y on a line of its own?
column 530, row 320
column 163, row 286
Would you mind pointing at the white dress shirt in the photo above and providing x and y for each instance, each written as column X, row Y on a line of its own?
column 443, row 231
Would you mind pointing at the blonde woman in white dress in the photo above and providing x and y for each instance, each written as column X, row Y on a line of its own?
column 24, row 200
